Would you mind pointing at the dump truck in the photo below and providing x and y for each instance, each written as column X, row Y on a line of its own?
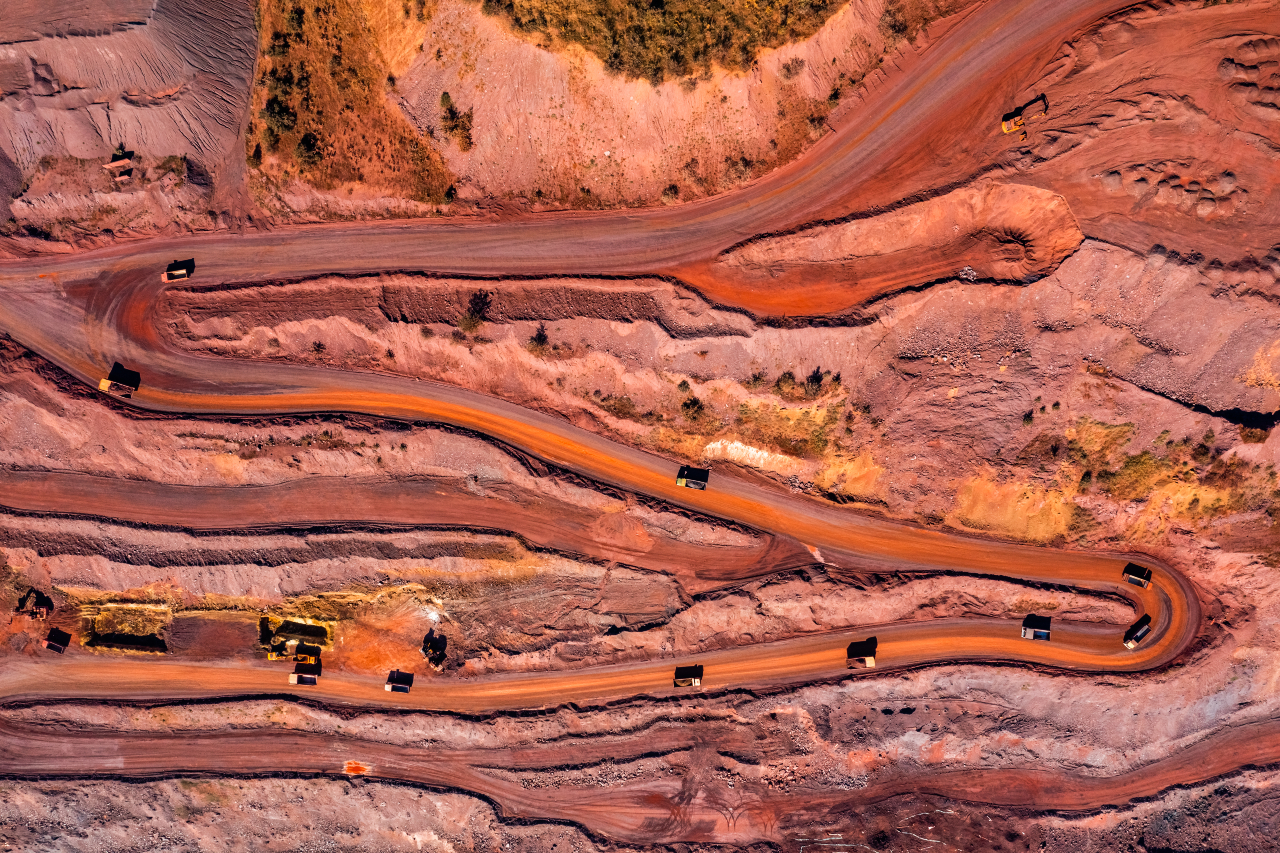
column 57, row 641
column 693, row 478
column 399, row 682
column 861, row 654
column 179, row 270
column 1035, row 627
column 121, row 381
column 688, row 676
column 306, row 674
column 1137, row 632
column 1137, row 575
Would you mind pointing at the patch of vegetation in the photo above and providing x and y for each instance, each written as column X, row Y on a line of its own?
column 804, row 433
column 816, row 384
column 904, row 19
column 457, row 124
column 660, row 39
column 692, row 408
column 1254, row 435
column 624, row 407
column 1191, row 476
column 320, row 104
column 477, row 311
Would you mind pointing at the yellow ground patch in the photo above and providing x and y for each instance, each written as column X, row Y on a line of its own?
column 1021, row 510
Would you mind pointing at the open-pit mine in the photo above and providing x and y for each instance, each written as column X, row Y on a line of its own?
column 619, row 426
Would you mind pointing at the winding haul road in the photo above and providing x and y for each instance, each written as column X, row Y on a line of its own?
column 84, row 311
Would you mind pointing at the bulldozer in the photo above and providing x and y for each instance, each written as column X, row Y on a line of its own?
column 1016, row 121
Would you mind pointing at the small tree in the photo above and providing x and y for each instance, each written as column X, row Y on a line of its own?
column 477, row 311
column 813, row 382
column 540, row 338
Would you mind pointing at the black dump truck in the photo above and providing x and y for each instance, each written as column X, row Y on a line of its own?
column 399, row 682
column 307, row 674
column 693, row 478
column 121, row 381
column 1137, row 575
column 861, row 654
column 1137, row 632
column 57, row 641
column 1035, row 627
column 179, row 270
column 688, row 676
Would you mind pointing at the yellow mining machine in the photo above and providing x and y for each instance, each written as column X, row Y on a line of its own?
column 1016, row 121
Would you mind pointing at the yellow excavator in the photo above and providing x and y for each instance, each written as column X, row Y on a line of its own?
column 1016, row 121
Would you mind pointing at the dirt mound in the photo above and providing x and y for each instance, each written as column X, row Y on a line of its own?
column 994, row 231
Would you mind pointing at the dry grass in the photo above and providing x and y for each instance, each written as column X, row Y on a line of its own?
column 1022, row 510
column 320, row 100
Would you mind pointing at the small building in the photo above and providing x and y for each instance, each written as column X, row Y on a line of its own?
column 305, row 674
column 1137, row 632
column 399, row 682
column 57, row 641
column 1137, row 575
column 124, row 176
column 688, row 676
column 861, row 654
column 121, row 381
column 179, row 270
column 1035, row 627
column 693, row 478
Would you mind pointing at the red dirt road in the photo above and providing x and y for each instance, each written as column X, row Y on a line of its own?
column 654, row 814
column 418, row 502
